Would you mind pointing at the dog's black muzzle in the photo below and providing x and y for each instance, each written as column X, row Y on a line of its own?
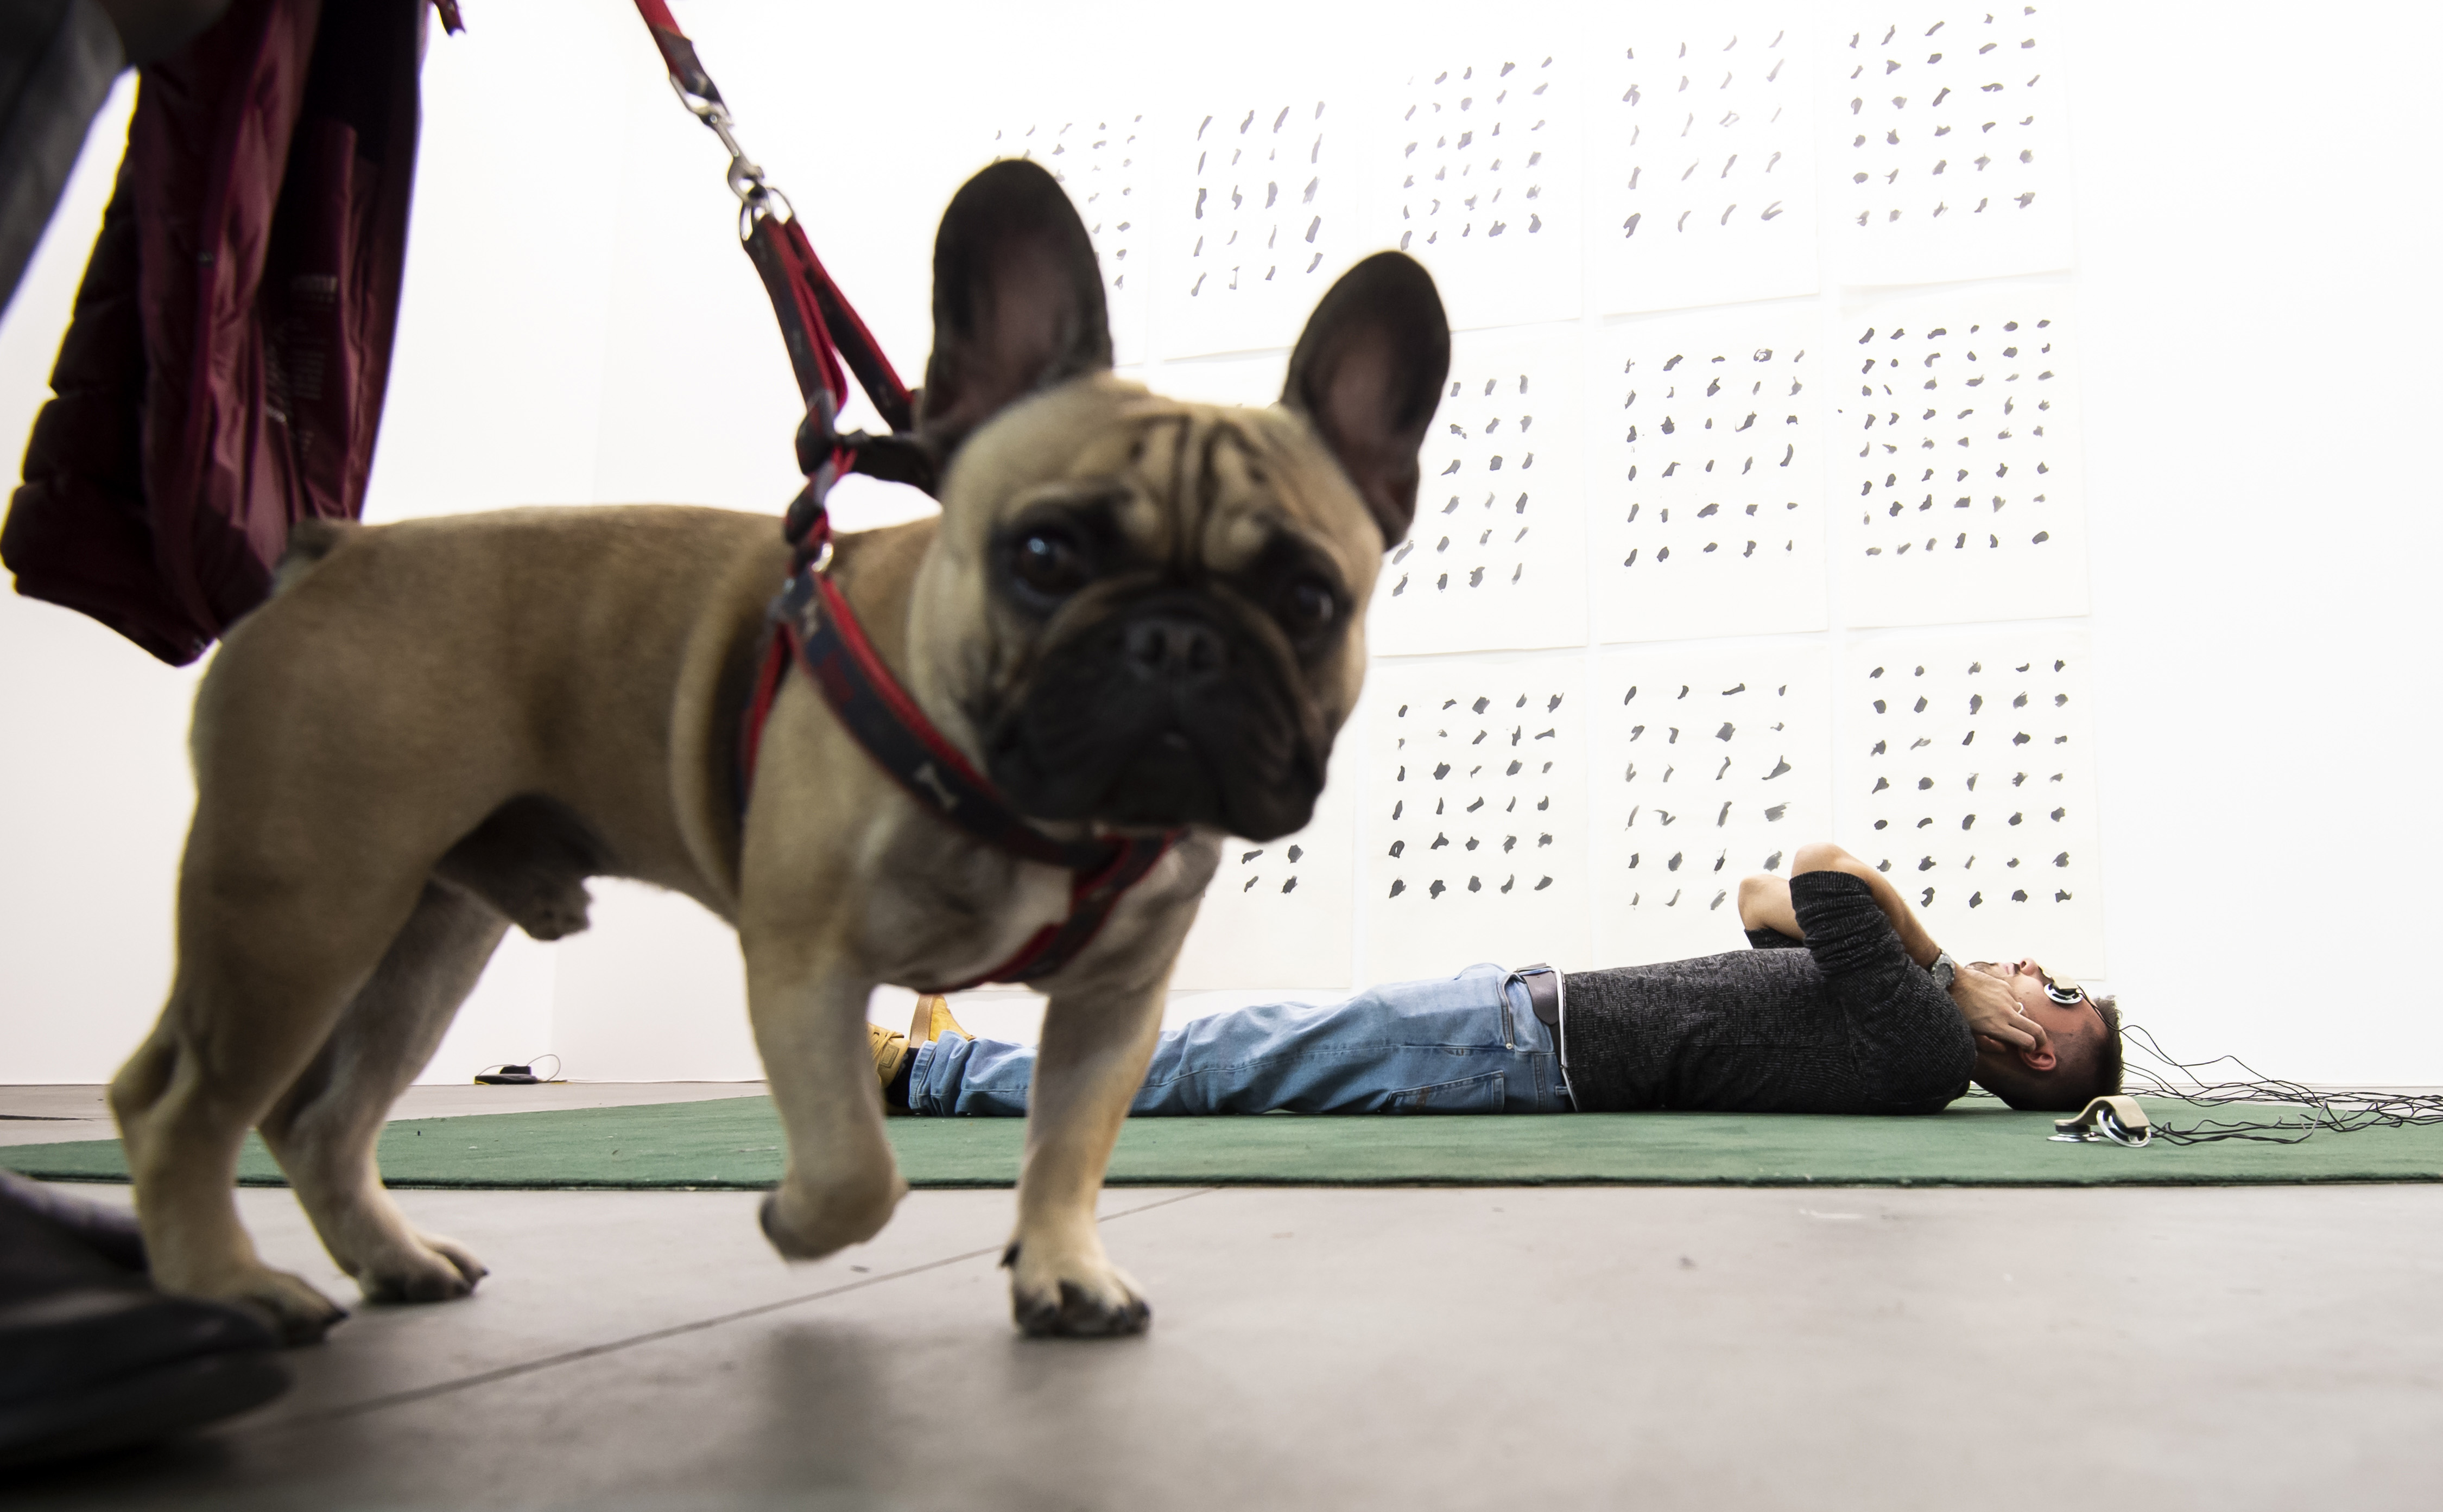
column 1162, row 715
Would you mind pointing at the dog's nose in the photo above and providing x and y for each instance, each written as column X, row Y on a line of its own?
column 1175, row 648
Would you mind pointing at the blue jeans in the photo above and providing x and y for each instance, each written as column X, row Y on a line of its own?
column 1466, row 1044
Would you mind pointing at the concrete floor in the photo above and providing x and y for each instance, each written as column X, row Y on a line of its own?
column 1658, row 1348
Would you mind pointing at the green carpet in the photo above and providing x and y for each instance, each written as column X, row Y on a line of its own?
column 736, row 1142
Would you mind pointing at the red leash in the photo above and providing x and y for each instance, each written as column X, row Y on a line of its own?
column 811, row 623
column 820, row 328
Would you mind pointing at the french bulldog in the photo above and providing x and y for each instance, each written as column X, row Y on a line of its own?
column 1132, row 615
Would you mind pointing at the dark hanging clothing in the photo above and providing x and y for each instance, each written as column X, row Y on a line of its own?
column 223, row 377
column 1844, row 1023
column 57, row 61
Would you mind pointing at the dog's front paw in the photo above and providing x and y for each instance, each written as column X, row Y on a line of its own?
column 297, row 1312
column 806, row 1223
column 428, row 1268
column 1085, row 1298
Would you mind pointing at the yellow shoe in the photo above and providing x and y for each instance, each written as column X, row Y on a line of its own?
column 933, row 1021
column 889, row 1049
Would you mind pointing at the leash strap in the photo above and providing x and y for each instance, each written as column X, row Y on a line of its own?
column 825, row 338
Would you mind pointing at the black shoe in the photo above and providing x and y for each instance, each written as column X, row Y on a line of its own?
column 91, row 1356
column 110, row 1232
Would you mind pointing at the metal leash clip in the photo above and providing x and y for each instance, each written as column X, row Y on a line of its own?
column 2107, row 1120
column 745, row 175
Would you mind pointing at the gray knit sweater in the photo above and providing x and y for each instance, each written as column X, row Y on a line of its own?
column 1846, row 1023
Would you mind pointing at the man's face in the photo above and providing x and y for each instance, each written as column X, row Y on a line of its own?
column 2066, row 1026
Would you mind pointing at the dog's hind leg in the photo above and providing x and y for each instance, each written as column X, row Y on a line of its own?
column 324, row 1127
column 266, row 966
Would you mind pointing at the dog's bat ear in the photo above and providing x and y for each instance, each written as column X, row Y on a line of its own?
column 1018, row 301
column 1368, row 372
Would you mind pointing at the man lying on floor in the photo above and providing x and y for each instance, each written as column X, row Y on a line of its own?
column 1847, row 1004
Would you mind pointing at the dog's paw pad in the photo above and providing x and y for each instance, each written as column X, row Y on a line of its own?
column 767, row 1217
column 1080, row 1313
column 437, row 1270
column 460, row 1257
column 297, row 1312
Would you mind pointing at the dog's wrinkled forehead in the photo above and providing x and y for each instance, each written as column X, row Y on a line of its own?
column 1208, row 483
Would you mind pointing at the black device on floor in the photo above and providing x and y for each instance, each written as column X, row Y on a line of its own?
column 507, row 1075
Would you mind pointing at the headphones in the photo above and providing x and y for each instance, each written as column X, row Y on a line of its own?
column 2107, row 1120
column 2066, row 996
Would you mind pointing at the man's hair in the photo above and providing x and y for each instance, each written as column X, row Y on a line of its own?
column 2107, row 1054
column 2092, row 1070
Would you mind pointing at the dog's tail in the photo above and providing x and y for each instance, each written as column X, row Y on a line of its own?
column 309, row 542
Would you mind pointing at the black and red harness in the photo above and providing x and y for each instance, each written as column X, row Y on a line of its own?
column 810, row 622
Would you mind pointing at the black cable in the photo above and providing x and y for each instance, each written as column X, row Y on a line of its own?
column 2337, row 1112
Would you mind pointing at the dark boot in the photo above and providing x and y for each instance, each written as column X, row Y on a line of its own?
column 91, row 1356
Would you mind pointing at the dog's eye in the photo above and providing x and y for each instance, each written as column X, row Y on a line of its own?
column 1049, row 562
column 1308, row 607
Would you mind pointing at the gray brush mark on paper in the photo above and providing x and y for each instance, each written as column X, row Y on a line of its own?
column 1928, row 768
column 1947, row 135
column 1471, row 763
column 1483, row 173
column 1103, row 162
column 1497, row 559
column 1706, row 493
column 1698, row 166
column 1258, row 228
column 1950, row 443
column 1764, row 783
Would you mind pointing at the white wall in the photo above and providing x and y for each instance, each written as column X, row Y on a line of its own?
column 2263, row 500
column 92, row 742
column 579, row 327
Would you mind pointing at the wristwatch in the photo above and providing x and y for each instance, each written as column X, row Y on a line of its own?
column 1943, row 969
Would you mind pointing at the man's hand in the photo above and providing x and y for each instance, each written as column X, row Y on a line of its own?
column 1993, row 1011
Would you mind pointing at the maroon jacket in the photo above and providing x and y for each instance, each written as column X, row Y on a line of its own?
column 223, row 376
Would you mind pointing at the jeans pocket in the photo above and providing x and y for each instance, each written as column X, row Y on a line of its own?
column 1477, row 1094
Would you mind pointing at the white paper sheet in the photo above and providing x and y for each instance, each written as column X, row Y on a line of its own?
column 1252, row 382
column 1257, row 218
column 1282, row 913
column 1495, row 559
column 1475, row 833
column 1967, row 775
column 1946, row 156
column 1705, row 476
column 1709, row 766
column 1954, row 456
column 1479, row 165
column 1702, row 127
column 1104, row 158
